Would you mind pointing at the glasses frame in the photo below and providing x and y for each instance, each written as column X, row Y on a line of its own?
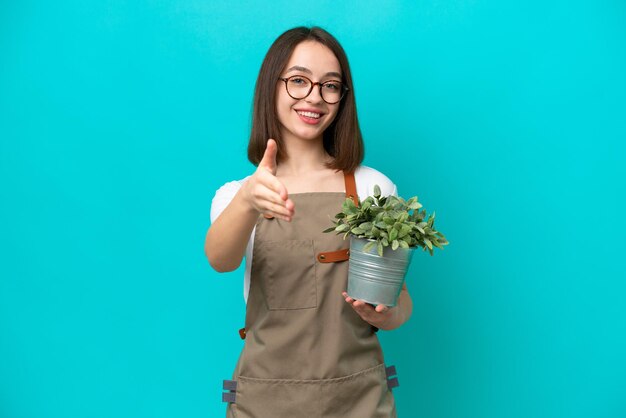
column 344, row 88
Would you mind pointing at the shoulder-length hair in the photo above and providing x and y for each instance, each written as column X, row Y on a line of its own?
column 342, row 139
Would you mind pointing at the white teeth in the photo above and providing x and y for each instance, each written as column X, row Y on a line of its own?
column 310, row 114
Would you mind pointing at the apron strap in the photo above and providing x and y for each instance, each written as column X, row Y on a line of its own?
column 334, row 256
column 343, row 254
column 351, row 187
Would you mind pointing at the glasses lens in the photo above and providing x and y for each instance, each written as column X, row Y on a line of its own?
column 298, row 86
column 332, row 91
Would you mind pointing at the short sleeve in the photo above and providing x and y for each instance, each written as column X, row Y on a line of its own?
column 223, row 196
column 367, row 178
column 394, row 191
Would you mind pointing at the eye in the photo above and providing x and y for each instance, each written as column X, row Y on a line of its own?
column 332, row 85
column 298, row 81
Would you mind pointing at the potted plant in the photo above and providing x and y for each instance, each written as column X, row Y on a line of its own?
column 384, row 232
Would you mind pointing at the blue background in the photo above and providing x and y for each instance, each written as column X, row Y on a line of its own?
column 120, row 119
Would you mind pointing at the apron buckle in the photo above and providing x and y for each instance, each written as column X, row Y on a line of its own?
column 231, row 387
column 392, row 381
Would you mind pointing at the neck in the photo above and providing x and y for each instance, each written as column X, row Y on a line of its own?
column 304, row 157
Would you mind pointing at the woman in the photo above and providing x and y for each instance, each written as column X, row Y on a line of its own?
column 310, row 349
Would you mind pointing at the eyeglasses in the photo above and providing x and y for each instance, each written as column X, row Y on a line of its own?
column 298, row 87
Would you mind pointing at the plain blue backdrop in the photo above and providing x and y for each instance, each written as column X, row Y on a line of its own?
column 119, row 119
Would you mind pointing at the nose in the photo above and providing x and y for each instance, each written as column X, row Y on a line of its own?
column 315, row 96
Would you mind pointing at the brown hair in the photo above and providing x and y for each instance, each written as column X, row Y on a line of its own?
column 342, row 139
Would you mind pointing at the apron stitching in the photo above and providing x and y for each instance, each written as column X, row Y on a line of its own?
column 313, row 381
column 317, row 290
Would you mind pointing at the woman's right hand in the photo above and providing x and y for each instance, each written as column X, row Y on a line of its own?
column 264, row 192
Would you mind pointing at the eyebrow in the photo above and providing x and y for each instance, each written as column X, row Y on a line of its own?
column 306, row 70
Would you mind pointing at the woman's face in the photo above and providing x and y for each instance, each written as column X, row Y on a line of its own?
column 318, row 63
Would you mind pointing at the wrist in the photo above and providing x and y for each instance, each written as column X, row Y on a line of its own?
column 393, row 321
column 244, row 202
column 399, row 315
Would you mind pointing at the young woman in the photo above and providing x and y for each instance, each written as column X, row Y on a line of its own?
column 310, row 349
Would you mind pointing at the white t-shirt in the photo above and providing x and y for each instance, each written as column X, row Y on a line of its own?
column 365, row 177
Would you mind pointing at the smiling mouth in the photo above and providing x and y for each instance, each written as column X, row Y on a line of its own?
column 312, row 115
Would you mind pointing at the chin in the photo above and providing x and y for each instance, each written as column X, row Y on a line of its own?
column 309, row 132
column 309, row 135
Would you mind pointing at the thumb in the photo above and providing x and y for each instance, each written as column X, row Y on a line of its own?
column 269, row 157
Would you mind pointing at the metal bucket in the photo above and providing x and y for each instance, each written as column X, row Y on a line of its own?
column 375, row 279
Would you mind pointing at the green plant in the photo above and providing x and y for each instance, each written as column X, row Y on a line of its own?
column 388, row 221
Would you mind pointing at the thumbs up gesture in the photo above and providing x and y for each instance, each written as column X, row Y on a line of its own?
column 264, row 192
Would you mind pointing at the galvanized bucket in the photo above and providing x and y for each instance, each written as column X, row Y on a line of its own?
column 375, row 279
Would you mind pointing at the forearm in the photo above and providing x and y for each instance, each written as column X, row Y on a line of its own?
column 227, row 238
column 401, row 312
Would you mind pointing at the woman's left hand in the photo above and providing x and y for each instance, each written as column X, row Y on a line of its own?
column 377, row 316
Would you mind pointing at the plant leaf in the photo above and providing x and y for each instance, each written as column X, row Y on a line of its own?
column 369, row 246
column 366, row 226
column 348, row 206
column 412, row 203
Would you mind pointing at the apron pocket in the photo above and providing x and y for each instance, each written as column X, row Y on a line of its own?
column 272, row 398
column 361, row 395
column 287, row 272
column 364, row 394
